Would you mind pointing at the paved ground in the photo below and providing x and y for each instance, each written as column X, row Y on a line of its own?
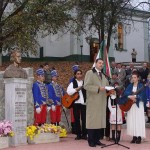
column 70, row 144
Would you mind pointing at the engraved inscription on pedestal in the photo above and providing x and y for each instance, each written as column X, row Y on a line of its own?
column 20, row 114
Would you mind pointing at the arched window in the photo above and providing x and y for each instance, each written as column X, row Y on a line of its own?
column 120, row 36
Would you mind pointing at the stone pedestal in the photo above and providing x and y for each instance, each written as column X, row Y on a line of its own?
column 30, row 105
column 16, row 108
column 4, row 142
column 44, row 138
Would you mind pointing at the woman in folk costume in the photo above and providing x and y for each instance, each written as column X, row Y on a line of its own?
column 40, row 96
column 112, row 107
column 148, row 98
column 79, row 107
column 135, row 116
column 55, row 92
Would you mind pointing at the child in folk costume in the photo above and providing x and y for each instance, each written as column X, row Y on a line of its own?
column 112, row 107
column 55, row 92
column 40, row 96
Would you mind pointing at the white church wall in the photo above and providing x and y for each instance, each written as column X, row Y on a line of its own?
column 56, row 45
column 136, row 39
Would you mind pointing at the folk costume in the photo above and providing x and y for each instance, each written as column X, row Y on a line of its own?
column 148, row 98
column 148, row 89
column 112, row 107
column 135, row 116
column 74, row 68
column 40, row 96
column 95, row 105
column 55, row 92
column 79, row 108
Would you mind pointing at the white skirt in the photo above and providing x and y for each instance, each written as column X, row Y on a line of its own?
column 113, row 116
column 136, row 121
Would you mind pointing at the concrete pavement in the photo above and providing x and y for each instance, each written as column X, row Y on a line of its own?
column 70, row 144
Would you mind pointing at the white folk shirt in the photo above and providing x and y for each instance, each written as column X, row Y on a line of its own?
column 71, row 91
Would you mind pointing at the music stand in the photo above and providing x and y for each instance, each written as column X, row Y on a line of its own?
column 116, row 142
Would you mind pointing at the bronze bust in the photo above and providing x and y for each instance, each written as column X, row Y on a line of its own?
column 14, row 70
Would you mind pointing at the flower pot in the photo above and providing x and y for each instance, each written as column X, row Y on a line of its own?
column 4, row 142
column 44, row 138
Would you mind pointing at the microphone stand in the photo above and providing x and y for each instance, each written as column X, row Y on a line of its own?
column 116, row 141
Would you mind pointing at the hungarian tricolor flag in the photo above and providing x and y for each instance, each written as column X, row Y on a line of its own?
column 103, row 53
column 106, row 68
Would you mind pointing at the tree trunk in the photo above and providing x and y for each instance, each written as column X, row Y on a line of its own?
column 1, row 46
column 0, row 58
column 109, row 37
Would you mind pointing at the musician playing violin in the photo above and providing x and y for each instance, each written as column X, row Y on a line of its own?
column 79, row 107
column 135, row 116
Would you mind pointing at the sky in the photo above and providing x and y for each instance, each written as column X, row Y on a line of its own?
column 143, row 6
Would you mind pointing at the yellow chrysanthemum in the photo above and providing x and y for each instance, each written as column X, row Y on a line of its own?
column 32, row 131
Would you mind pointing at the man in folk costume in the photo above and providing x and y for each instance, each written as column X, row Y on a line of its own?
column 55, row 92
column 94, row 84
column 40, row 96
column 79, row 107
column 74, row 68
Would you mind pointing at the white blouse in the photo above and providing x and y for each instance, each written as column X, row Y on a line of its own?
column 71, row 91
column 134, row 89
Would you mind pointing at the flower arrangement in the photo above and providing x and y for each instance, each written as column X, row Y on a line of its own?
column 6, row 128
column 32, row 131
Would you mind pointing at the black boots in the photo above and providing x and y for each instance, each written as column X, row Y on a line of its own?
column 136, row 140
column 148, row 121
column 118, row 136
column 73, row 128
column 113, row 136
column 117, row 139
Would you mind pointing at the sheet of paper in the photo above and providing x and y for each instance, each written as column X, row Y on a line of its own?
column 109, row 88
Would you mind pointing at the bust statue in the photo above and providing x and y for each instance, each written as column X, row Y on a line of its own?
column 14, row 70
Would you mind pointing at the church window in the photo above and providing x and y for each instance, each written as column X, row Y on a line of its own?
column 120, row 35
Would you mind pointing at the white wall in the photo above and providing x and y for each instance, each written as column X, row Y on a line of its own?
column 136, row 39
column 61, row 45
column 56, row 45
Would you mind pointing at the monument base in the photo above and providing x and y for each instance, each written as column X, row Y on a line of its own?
column 16, row 109
column 4, row 142
column 44, row 138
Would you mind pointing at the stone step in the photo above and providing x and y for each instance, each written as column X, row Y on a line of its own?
column 136, row 65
